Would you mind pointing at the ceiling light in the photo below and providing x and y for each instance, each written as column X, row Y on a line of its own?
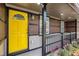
column 61, row 14
column 69, row 17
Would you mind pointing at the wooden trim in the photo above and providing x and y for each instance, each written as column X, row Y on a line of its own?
column 22, row 9
column 73, row 7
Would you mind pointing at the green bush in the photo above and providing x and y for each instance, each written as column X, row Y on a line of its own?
column 68, row 50
column 63, row 52
column 75, row 44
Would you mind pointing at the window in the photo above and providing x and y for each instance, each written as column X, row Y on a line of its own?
column 18, row 17
column 54, row 26
column 70, row 26
column 33, row 24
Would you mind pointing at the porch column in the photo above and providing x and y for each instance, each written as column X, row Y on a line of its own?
column 44, row 18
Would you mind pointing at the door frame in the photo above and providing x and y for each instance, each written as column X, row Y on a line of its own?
column 18, row 52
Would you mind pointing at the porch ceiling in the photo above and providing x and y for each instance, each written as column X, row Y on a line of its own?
column 54, row 9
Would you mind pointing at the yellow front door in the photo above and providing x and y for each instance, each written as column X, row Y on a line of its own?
column 18, row 31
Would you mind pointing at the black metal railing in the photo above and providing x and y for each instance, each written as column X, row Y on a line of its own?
column 58, row 40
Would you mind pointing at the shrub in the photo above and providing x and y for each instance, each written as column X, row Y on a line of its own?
column 63, row 52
